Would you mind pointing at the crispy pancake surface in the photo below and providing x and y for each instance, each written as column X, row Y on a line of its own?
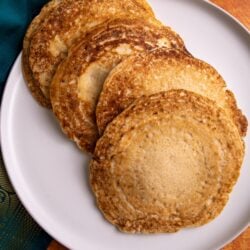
column 160, row 70
column 64, row 22
column 79, row 79
column 167, row 162
column 34, row 26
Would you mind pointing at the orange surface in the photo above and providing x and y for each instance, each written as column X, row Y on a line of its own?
column 240, row 243
column 238, row 8
column 241, row 10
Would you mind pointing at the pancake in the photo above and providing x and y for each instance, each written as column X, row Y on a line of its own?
column 167, row 162
column 161, row 70
column 78, row 81
column 64, row 21
column 35, row 24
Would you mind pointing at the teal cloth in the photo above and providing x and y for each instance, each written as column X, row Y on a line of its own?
column 17, row 229
column 15, row 16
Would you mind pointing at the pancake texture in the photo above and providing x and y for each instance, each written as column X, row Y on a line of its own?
column 59, row 25
column 167, row 162
column 160, row 70
column 35, row 24
column 78, row 81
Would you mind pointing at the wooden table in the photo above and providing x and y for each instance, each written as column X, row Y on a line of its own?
column 241, row 10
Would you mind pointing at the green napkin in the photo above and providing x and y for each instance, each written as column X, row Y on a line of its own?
column 17, row 229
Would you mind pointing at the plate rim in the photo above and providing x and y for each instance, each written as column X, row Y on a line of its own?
column 8, row 162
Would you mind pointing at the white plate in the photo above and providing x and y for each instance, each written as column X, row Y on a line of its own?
column 50, row 174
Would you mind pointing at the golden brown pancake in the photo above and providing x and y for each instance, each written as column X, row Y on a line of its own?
column 162, row 70
column 78, row 80
column 32, row 84
column 167, row 162
column 59, row 25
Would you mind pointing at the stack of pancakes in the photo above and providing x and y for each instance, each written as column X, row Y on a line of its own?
column 164, row 130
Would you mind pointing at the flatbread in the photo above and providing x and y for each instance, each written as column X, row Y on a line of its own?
column 78, row 81
column 59, row 25
column 160, row 70
column 167, row 162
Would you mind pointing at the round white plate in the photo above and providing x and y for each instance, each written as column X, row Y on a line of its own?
column 50, row 174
